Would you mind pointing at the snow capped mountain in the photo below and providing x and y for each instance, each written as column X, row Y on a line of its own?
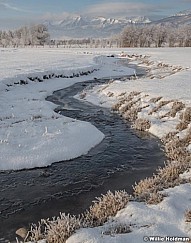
column 139, row 20
column 83, row 27
column 183, row 13
column 180, row 18
column 77, row 26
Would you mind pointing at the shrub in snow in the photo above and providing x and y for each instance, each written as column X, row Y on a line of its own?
column 127, row 106
column 155, row 198
column 37, row 231
column 131, row 115
column 187, row 139
column 169, row 137
column 168, row 176
column 148, row 189
column 127, row 100
column 116, row 106
column 185, row 119
column 177, row 106
column 142, row 124
column 176, row 149
column 181, row 126
column 61, row 228
column 159, row 106
column 144, row 188
column 105, row 207
column 187, row 114
column 57, row 230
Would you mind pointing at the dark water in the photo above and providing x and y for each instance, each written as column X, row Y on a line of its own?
column 124, row 156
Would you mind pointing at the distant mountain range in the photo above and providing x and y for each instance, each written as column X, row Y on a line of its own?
column 77, row 26
column 180, row 18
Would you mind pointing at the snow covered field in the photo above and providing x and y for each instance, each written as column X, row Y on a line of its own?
column 32, row 134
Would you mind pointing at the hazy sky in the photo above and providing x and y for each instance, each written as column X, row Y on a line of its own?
column 20, row 12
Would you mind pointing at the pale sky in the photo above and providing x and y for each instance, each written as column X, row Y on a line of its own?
column 20, row 12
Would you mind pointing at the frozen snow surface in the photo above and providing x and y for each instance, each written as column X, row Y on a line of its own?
column 166, row 219
column 31, row 133
column 174, row 85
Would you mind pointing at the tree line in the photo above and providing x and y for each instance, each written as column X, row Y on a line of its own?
column 155, row 36
column 131, row 36
column 25, row 36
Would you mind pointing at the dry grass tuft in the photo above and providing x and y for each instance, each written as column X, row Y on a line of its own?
column 181, row 126
column 147, row 190
column 155, row 198
column 105, row 207
column 128, row 99
column 57, row 230
column 116, row 106
column 144, row 188
column 177, row 106
column 142, row 124
column 169, row 137
column 131, row 115
column 61, row 228
column 187, row 115
column 128, row 105
column 185, row 118
column 168, row 176
column 37, row 231
column 175, row 149
column 159, row 106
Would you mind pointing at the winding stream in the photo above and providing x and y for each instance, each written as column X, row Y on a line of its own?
column 123, row 157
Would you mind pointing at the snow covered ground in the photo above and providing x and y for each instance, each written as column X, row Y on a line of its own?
column 168, row 79
column 31, row 133
column 169, row 83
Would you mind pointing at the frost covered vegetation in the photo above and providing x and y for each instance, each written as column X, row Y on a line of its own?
column 163, row 199
column 61, row 228
column 25, row 36
column 132, row 36
column 158, row 103
column 156, row 35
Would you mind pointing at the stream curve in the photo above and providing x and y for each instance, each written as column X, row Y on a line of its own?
column 123, row 157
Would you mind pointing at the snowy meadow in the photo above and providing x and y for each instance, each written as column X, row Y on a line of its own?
column 33, row 135
column 29, row 126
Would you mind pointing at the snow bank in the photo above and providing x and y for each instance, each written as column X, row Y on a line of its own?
column 39, row 143
column 31, row 133
column 172, row 86
column 163, row 219
column 167, row 218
